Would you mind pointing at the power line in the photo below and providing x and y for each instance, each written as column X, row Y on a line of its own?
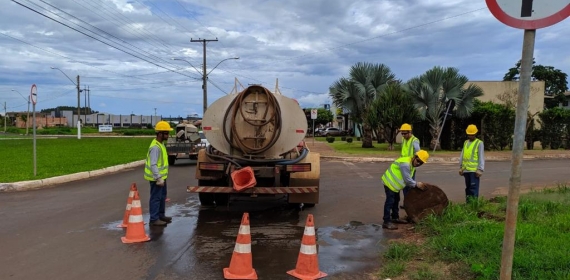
column 104, row 5
column 81, row 62
column 136, row 49
column 110, row 45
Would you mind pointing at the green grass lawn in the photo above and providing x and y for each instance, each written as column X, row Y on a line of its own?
column 63, row 156
column 467, row 241
column 355, row 148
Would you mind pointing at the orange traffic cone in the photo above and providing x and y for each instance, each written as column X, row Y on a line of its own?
column 241, row 263
column 308, row 262
column 243, row 179
column 128, row 209
column 135, row 229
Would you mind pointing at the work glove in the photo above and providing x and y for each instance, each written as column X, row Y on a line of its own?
column 421, row 186
column 478, row 173
column 160, row 182
column 461, row 172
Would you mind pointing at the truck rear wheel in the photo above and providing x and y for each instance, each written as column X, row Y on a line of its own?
column 206, row 199
column 171, row 159
column 222, row 199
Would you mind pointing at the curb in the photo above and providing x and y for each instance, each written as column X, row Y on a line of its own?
column 442, row 159
column 38, row 184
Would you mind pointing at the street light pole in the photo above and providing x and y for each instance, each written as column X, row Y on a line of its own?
column 28, row 116
column 205, row 76
column 204, row 83
column 78, row 101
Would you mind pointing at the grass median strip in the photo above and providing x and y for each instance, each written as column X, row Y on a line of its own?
column 466, row 242
column 62, row 156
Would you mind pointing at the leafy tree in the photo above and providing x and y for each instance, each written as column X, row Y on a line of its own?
column 497, row 124
column 554, row 126
column 391, row 108
column 555, row 81
column 324, row 116
column 357, row 92
column 70, row 108
column 433, row 92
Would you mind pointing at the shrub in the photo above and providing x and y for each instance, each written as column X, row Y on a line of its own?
column 343, row 138
column 349, row 140
column 330, row 139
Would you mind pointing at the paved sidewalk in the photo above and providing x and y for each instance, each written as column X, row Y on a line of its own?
column 328, row 152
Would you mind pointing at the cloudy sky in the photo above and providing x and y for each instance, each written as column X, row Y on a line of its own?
column 123, row 49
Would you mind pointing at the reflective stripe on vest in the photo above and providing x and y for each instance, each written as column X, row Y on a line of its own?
column 393, row 178
column 471, row 155
column 408, row 147
column 161, row 164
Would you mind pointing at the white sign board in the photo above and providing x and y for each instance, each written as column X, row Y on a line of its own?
column 105, row 128
column 529, row 14
column 34, row 94
column 313, row 114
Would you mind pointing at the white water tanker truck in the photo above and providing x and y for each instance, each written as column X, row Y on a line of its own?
column 256, row 149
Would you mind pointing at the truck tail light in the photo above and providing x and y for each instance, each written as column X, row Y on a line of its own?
column 211, row 166
column 299, row 167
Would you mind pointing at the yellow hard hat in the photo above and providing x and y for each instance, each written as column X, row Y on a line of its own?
column 406, row 127
column 162, row 126
column 423, row 155
column 471, row 129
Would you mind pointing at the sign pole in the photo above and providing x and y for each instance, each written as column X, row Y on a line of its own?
column 314, row 113
column 517, row 155
column 313, row 132
column 34, row 99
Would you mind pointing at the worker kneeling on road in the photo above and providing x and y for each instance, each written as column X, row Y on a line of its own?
column 156, row 172
column 396, row 178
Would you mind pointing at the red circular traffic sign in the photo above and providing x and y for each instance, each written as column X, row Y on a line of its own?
column 34, row 94
column 529, row 14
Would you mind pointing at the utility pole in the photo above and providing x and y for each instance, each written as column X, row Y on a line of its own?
column 89, row 100
column 78, row 102
column 155, row 114
column 5, row 116
column 85, row 103
column 204, row 73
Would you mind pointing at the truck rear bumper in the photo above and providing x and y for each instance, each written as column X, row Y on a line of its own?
column 280, row 190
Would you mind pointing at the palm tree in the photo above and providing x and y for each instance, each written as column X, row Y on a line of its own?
column 435, row 91
column 357, row 92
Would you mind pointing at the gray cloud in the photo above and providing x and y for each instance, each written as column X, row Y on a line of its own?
column 307, row 45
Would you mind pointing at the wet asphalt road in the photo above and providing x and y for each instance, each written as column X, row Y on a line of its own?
column 69, row 231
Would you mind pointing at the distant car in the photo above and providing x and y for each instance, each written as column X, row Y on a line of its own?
column 203, row 139
column 331, row 131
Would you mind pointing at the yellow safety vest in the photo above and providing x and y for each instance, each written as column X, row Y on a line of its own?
column 393, row 178
column 470, row 155
column 408, row 147
column 162, row 162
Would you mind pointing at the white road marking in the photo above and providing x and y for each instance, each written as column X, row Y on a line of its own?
column 357, row 170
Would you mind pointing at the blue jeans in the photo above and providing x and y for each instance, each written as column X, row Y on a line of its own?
column 392, row 204
column 471, row 185
column 157, row 203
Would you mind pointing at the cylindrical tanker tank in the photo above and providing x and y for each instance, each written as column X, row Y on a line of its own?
column 254, row 123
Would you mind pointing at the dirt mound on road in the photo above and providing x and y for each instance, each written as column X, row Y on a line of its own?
column 419, row 204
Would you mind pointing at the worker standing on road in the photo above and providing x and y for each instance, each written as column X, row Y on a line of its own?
column 410, row 145
column 396, row 177
column 472, row 162
column 156, row 172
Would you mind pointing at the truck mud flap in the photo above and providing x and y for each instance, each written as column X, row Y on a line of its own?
column 283, row 190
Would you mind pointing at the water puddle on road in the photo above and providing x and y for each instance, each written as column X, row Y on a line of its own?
column 200, row 242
